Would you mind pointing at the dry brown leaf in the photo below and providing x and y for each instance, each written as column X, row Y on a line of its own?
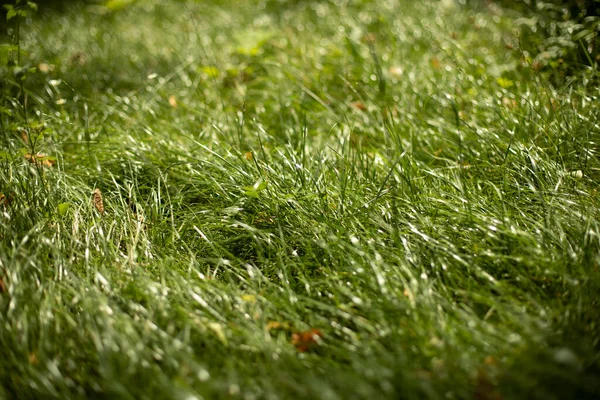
column 2, row 285
column 273, row 325
column 98, row 203
column 305, row 341
column 248, row 156
column 173, row 101
column 6, row 200
column 359, row 105
column 40, row 159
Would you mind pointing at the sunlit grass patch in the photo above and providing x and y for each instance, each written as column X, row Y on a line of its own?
column 297, row 200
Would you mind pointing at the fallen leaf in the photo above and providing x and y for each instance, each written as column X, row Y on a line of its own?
column 173, row 101
column 359, row 105
column 6, row 200
column 305, row 341
column 2, row 285
column 98, row 203
column 40, row 159
column 273, row 325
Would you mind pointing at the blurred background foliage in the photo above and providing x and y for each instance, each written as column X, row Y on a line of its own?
column 557, row 35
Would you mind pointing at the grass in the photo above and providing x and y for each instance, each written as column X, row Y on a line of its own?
column 396, row 177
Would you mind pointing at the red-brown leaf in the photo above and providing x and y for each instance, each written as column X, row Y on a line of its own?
column 305, row 341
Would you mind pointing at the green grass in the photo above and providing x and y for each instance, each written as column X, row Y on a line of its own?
column 395, row 175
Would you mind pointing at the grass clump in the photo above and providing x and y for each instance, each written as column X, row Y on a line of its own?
column 298, row 200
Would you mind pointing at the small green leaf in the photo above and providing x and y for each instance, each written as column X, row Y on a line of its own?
column 63, row 208
column 116, row 5
column 254, row 190
column 505, row 83
column 6, row 51
column 210, row 71
column 11, row 14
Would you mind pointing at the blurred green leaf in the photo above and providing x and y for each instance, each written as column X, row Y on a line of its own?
column 11, row 14
column 63, row 208
column 116, row 5
column 505, row 83
column 254, row 190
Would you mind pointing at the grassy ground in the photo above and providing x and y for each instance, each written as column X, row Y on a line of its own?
column 325, row 200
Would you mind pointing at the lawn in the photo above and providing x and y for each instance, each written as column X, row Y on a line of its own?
column 299, row 199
